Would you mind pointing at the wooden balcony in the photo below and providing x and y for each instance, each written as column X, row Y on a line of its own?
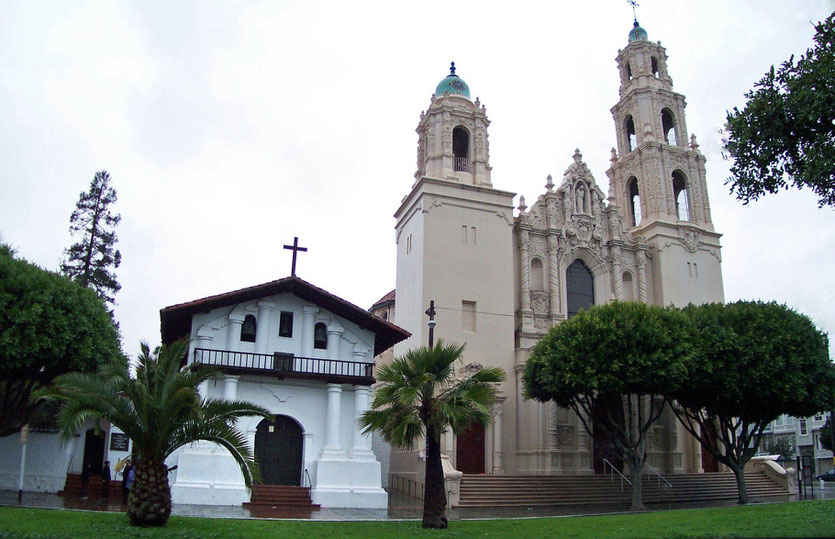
column 288, row 366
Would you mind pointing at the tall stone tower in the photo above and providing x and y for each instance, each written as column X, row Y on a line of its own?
column 454, row 244
column 657, row 179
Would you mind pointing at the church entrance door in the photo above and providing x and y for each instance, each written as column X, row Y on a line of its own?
column 469, row 454
column 611, row 408
column 709, row 462
column 94, row 451
column 278, row 450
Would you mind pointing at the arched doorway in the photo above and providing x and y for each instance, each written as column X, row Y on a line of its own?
column 93, row 451
column 278, row 450
column 469, row 453
column 580, row 287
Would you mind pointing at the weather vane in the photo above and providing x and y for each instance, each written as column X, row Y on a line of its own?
column 634, row 4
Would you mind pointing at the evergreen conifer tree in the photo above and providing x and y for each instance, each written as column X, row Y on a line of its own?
column 92, row 260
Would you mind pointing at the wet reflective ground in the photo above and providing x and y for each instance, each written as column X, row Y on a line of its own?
column 400, row 508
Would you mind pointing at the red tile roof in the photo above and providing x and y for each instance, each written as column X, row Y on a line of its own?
column 175, row 321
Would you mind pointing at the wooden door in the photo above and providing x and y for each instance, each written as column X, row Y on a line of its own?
column 94, row 451
column 278, row 450
column 469, row 454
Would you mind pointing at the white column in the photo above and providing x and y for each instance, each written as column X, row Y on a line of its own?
column 335, row 330
column 554, row 269
column 233, row 331
column 498, row 469
column 230, row 387
column 618, row 270
column 308, row 322
column 262, row 334
column 361, row 448
column 332, row 447
column 203, row 389
column 307, row 438
column 642, row 275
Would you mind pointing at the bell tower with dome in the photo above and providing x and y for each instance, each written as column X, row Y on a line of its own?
column 657, row 178
column 454, row 237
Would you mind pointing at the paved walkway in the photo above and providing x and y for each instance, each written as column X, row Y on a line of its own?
column 400, row 508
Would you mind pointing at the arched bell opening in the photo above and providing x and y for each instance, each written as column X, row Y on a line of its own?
column 461, row 149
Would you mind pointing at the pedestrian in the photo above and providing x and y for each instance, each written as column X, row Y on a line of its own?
column 105, row 480
column 131, row 476
column 126, row 471
column 85, row 480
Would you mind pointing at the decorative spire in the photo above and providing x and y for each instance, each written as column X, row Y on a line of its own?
column 549, row 185
column 452, row 69
column 634, row 4
column 522, row 206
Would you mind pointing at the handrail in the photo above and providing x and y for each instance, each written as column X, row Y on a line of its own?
column 660, row 477
column 615, row 470
column 284, row 364
column 306, row 479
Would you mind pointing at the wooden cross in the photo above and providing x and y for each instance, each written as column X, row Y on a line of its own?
column 295, row 248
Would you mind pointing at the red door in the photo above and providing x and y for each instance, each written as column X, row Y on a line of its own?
column 469, row 456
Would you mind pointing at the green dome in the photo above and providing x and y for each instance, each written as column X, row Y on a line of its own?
column 637, row 33
column 453, row 84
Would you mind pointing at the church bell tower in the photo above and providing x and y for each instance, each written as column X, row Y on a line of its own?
column 657, row 178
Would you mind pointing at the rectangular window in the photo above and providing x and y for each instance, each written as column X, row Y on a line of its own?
column 468, row 316
column 285, row 324
column 472, row 232
column 690, row 269
column 803, row 427
column 696, row 269
column 464, row 233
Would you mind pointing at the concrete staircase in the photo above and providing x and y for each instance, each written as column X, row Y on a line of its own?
column 72, row 487
column 533, row 490
column 280, row 496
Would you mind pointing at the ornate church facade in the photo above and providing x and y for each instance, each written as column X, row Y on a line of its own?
column 500, row 278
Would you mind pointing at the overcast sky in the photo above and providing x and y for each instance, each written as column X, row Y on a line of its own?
column 228, row 128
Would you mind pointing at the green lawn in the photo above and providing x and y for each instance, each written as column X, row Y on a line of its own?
column 797, row 519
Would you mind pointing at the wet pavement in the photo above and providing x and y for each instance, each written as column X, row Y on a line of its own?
column 400, row 508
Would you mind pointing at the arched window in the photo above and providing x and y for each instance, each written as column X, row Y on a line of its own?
column 628, row 72
column 629, row 127
column 680, row 193
column 628, row 287
column 634, row 201
column 654, row 66
column 580, row 287
column 461, row 149
column 537, row 275
column 668, row 126
column 320, row 336
column 248, row 329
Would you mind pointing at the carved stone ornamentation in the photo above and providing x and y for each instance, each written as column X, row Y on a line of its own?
column 659, row 440
column 540, row 302
column 565, row 436
column 542, row 323
column 470, row 369
column 691, row 238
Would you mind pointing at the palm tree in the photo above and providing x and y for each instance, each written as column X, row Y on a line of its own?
column 420, row 396
column 160, row 409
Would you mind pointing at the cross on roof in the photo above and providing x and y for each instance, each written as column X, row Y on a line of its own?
column 295, row 248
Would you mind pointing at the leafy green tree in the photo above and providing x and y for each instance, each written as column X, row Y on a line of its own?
column 826, row 434
column 785, row 134
column 781, row 446
column 613, row 365
column 49, row 326
column 92, row 260
column 160, row 409
column 752, row 362
column 420, row 396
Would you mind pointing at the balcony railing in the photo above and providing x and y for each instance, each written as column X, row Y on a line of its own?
column 288, row 366
column 460, row 164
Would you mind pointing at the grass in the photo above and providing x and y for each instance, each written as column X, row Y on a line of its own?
column 794, row 519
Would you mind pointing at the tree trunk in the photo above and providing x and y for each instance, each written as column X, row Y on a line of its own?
column 742, row 490
column 635, row 469
column 434, row 492
column 149, row 501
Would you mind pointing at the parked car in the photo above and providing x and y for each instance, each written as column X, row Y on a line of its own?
column 828, row 476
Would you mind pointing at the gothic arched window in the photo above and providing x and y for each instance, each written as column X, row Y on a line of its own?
column 320, row 336
column 680, row 193
column 668, row 126
column 248, row 329
column 537, row 275
column 629, row 128
column 634, row 201
column 654, row 67
column 580, row 287
column 628, row 72
column 461, row 149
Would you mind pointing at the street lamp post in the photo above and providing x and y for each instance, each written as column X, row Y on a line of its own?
column 24, row 438
column 430, row 312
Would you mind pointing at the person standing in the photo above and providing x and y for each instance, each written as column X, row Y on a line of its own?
column 85, row 480
column 105, row 480
column 126, row 474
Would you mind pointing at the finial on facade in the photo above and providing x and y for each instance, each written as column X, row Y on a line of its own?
column 452, row 69
column 634, row 4
column 614, row 155
column 477, row 102
column 522, row 206
column 693, row 144
column 549, row 185
column 578, row 157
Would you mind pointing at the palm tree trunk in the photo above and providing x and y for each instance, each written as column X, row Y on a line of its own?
column 149, row 501
column 434, row 492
